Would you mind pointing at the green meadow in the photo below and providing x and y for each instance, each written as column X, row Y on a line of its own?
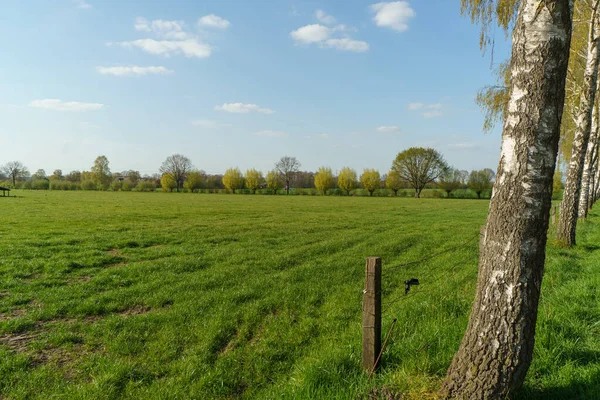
column 114, row 295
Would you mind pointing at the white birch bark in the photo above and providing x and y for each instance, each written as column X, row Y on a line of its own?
column 496, row 350
column 569, row 209
column 588, row 167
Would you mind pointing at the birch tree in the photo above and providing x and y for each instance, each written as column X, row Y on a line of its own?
column 588, row 176
column 497, row 348
column 567, row 223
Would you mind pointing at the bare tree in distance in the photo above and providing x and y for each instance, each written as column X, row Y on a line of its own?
column 497, row 348
column 15, row 170
column 177, row 167
column 287, row 167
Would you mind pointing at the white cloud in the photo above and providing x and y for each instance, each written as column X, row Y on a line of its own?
column 428, row 110
column 346, row 44
column 189, row 48
column 83, row 4
column 433, row 114
column 141, row 24
column 335, row 37
column 133, row 70
column 241, row 108
column 213, row 21
column 421, row 106
column 162, row 28
column 205, row 123
column 59, row 105
column 311, row 33
column 324, row 136
column 387, row 129
column 271, row 133
column 324, row 17
column 395, row 15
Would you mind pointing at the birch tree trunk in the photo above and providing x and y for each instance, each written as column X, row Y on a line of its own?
column 596, row 178
column 569, row 208
column 588, row 173
column 496, row 350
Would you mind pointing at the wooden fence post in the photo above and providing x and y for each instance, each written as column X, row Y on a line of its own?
column 371, row 314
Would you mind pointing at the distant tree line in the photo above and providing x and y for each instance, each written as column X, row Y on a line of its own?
column 412, row 171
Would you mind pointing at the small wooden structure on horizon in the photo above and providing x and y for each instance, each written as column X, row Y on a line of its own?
column 4, row 190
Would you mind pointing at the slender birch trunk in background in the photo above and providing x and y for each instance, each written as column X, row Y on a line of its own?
column 588, row 166
column 569, row 208
column 496, row 351
column 596, row 177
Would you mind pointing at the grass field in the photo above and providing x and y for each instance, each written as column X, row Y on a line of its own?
column 171, row 296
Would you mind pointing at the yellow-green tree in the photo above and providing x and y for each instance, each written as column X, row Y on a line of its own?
column 233, row 179
column 254, row 179
column 394, row 181
column 167, row 183
column 324, row 179
column 101, row 173
column 347, row 180
column 193, row 181
column 556, row 184
column 274, row 181
column 370, row 180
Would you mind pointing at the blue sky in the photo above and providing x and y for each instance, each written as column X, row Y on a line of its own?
column 240, row 83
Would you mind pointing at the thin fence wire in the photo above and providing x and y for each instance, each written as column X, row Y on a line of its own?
column 434, row 255
column 428, row 285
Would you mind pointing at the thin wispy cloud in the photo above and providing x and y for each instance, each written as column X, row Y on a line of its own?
column 210, row 124
column 395, row 15
column 241, row 108
column 270, row 133
column 346, row 44
column 388, row 129
column 427, row 110
column 83, row 4
column 324, row 18
column 133, row 70
column 59, row 105
column 162, row 28
column 213, row 21
column 172, row 37
column 190, row 48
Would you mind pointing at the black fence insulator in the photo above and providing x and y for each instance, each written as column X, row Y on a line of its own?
column 409, row 283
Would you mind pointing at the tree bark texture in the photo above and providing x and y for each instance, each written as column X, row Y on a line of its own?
column 569, row 208
column 588, row 175
column 595, row 177
column 496, row 350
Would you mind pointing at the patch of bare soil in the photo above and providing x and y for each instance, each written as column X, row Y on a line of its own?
column 19, row 312
column 135, row 310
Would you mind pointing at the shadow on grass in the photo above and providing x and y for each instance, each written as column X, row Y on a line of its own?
column 584, row 385
column 578, row 389
column 591, row 247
